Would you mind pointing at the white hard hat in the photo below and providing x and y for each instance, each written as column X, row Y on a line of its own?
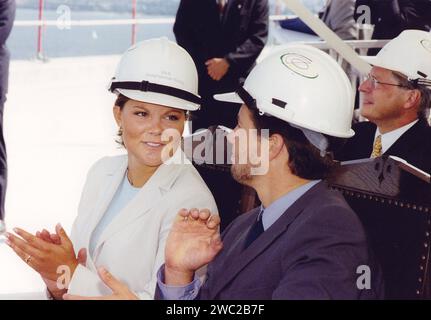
column 409, row 54
column 303, row 86
column 158, row 71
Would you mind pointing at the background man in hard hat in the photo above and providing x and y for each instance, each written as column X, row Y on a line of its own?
column 396, row 100
column 224, row 38
column 304, row 241
column 7, row 16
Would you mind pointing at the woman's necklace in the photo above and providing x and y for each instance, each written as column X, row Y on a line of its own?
column 129, row 178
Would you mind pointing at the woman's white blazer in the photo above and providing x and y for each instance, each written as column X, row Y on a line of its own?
column 132, row 246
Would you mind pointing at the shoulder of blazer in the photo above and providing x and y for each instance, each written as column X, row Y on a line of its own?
column 318, row 197
column 414, row 143
column 332, row 199
column 107, row 165
column 320, row 203
column 417, row 134
column 420, row 130
column 186, row 180
column 326, row 210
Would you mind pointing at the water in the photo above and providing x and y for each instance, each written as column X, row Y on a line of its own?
column 80, row 41
column 94, row 40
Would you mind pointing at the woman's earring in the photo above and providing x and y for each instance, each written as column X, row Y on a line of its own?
column 120, row 135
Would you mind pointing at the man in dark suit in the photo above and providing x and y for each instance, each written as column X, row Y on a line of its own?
column 304, row 242
column 396, row 101
column 224, row 38
column 391, row 17
column 7, row 16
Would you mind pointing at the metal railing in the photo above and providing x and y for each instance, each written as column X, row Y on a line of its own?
column 87, row 23
column 41, row 23
column 361, row 45
column 134, row 23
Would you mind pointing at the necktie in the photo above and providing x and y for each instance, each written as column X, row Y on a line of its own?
column 377, row 147
column 255, row 231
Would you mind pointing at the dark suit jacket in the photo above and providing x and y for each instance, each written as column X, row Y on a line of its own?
column 414, row 145
column 311, row 252
column 239, row 37
column 391, row 17
column 7, row 16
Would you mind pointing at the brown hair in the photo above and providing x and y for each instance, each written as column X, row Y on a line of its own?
column 120, row 102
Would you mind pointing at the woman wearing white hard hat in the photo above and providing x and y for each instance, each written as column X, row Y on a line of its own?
column 129, row 202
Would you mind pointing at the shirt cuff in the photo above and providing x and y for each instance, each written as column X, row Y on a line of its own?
column 187, row 292
column 229, row 59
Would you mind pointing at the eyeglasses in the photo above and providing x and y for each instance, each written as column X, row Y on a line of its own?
column 375, row 82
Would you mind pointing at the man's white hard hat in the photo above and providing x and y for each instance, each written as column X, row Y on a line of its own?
column 408, row 54
column 303, row 86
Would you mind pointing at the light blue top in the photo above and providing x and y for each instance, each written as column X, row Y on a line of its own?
column 269, row 216
column 124, row 194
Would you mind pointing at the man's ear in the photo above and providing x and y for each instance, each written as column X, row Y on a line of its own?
column 413, row 99
column 117, row 115
column 276, row 145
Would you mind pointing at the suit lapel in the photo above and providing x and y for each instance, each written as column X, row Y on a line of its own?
column 147, row 198
column 112, row 180
column 366, row 143
column 241, row 258
column 229, row 6
column 236, row 247
column 408, row 141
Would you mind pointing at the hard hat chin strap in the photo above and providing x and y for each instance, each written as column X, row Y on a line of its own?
column 147, row 86
column 247, row 98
